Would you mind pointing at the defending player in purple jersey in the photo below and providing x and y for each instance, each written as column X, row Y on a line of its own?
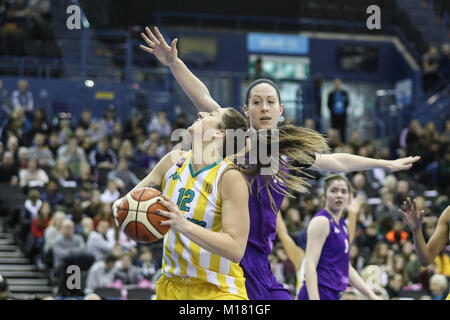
column 263, row 108
column 327, row 268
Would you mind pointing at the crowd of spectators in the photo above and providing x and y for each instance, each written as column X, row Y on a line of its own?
column 71, row 173
column 25, row 22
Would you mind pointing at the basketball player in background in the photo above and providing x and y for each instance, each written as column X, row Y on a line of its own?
column 263, row 108
column 296, row 254
column 327, row 259
column 427, row 252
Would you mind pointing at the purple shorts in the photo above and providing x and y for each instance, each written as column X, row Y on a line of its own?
column 324, row 293
column 260, row 281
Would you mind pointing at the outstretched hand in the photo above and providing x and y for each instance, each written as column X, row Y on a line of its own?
column 158, row 46
column 401, row 164
column 413, row 218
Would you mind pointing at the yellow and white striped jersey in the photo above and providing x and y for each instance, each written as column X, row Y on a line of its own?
column 196, row 194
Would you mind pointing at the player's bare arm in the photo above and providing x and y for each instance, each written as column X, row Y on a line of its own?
column 317, row 233
column 232, row 241
column 294, row 252
column 345, row 162
column 154, row 178
column 197, row 92
column 426, row 252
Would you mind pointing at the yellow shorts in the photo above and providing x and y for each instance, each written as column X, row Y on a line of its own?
column 448, row 297
column 187, row 288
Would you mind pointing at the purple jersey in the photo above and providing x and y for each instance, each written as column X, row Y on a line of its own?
column 333, row 266
column 260, row 282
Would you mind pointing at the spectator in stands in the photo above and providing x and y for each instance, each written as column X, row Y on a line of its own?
column 438, row 287
column 367, row 241
column 356, row 260
column 97, row 243
column 333, row 139
column 338, row 102
column 430, row 68
column 160, row 124
column 23, row 157
column 102, row 156
column 116, row 142
column 72, row 155
column 380, row 254
column 33, row 175
column 17, row 125
column 85, row 174
column 12, row 145
column 61, row 173
column 52, row 195
column 22, row 97
column 94, row 204
column 114, row 235
column 126, row 150
column 151, row 159
column 87, row 226
column 40, row 151
column 359, row 182
column 51, row 234
column 65, row 130
column 108, row 121
column 9, row 172
column 397, row 234
column 111, row 192
column 403, row 191
column 53, row 143
column 395, row 285
column 85, row 119
column 135, row 126
column 38, row 227
column 95, row 132
column 105, row 213
column 67, row 244
column 127, row 273
column 386, row 212
column 181, row 122
column 147, row 265
column 165, row 147
column 123, row 176
column 39, row 123
column 101, row 274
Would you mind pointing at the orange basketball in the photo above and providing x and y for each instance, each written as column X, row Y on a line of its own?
column 137, row 217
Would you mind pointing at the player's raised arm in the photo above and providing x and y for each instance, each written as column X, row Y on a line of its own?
column 197, row 92
column 232, row 241
column 426, row 252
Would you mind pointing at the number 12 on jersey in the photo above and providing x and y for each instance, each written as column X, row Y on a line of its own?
column 184, row 198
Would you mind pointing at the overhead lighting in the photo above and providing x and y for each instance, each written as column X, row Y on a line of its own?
column 89, row 83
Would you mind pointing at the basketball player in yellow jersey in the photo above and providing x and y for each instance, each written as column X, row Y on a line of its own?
column 427, row 252
column 207, row 201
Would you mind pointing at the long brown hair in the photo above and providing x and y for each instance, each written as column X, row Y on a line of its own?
column 297, row 148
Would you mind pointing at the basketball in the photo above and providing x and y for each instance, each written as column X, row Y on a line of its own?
column 137, row 217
